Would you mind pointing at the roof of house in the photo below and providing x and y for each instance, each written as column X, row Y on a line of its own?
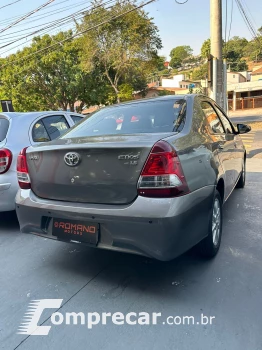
column 257, row 71
column 153, row 84
column 90, row 110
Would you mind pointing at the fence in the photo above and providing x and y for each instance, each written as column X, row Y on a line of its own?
column 246, row 103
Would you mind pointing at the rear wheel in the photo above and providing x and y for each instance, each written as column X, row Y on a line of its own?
column 209, row 246
column 242, row 180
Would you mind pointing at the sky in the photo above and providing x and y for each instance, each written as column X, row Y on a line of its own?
column 186, row 24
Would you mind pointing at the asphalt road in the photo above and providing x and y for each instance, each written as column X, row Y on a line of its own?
column 246, row 119
column 228, row 287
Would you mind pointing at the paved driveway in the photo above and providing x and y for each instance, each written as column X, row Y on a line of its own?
column 88, row 280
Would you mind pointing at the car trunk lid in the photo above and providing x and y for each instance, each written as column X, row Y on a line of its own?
column 107, row 171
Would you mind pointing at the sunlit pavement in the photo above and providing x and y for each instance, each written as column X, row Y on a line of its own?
column 88, row 280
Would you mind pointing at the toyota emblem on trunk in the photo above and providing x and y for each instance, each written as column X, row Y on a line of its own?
column 72, row 159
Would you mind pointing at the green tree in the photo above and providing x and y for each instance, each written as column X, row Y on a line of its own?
column 122, row 45
column 253, row 50
column 200, row 73
column 160, row 63
column 233, row 51
column 51, row 79
column 236, row 45
column 178, row 54
column 206, row 48
column 125, row 92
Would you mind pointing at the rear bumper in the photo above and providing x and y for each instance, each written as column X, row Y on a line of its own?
column 159, row 228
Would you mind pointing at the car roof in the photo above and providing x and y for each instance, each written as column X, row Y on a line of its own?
column 31, row 115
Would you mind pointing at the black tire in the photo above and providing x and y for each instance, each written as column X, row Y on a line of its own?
column 242, row 180
column 210, row 245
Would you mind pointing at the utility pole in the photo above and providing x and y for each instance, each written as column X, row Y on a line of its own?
column 216, row 51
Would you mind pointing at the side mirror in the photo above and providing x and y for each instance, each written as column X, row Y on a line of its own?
column 243, row 128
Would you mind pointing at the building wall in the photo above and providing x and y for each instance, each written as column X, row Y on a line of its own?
column 245, row 87
column 256, row 77
column 246, row 75
column 184, row 84
column 173, row 83
column 233, row 78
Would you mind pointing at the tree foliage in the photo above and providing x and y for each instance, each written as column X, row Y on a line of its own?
column 200, row 73
column 206, row 48
column 233, row 51
column 126, row 42
column 253, row 50
column 51, row 79
column 178, row 54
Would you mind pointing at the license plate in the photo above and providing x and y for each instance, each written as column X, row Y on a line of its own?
column 74, row 230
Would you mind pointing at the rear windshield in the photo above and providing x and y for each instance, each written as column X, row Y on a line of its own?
column 146, row 117
column 4, row 125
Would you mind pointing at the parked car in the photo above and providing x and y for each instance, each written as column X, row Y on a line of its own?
column 153, row 187
column 19, row 130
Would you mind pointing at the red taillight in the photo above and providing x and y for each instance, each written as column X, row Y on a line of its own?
column 162, row 175
column 22, row 171
column 5, row 160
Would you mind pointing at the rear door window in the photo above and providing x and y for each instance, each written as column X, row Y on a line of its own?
column 55, row 125
column 4, row 126
column 39, row 133
column 76, row 118
column 214, row 123
column 142, row 117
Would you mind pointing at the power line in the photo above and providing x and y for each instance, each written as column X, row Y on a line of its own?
column 10, row 19
column 47, row 14
column 26, row 16
column 231, row 19
column 14, row 2
column 227, row 38
column 246, row 19
column 249, row 23
column 52, row 23
column 80, row 33
column 250, row 13
column 226, row 28
column 55, row 24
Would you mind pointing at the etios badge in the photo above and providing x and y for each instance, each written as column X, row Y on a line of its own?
column 72, row 158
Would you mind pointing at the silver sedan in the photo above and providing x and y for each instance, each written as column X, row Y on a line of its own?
column 146, row 177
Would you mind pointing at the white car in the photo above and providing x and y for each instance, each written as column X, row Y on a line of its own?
column 19, row 130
